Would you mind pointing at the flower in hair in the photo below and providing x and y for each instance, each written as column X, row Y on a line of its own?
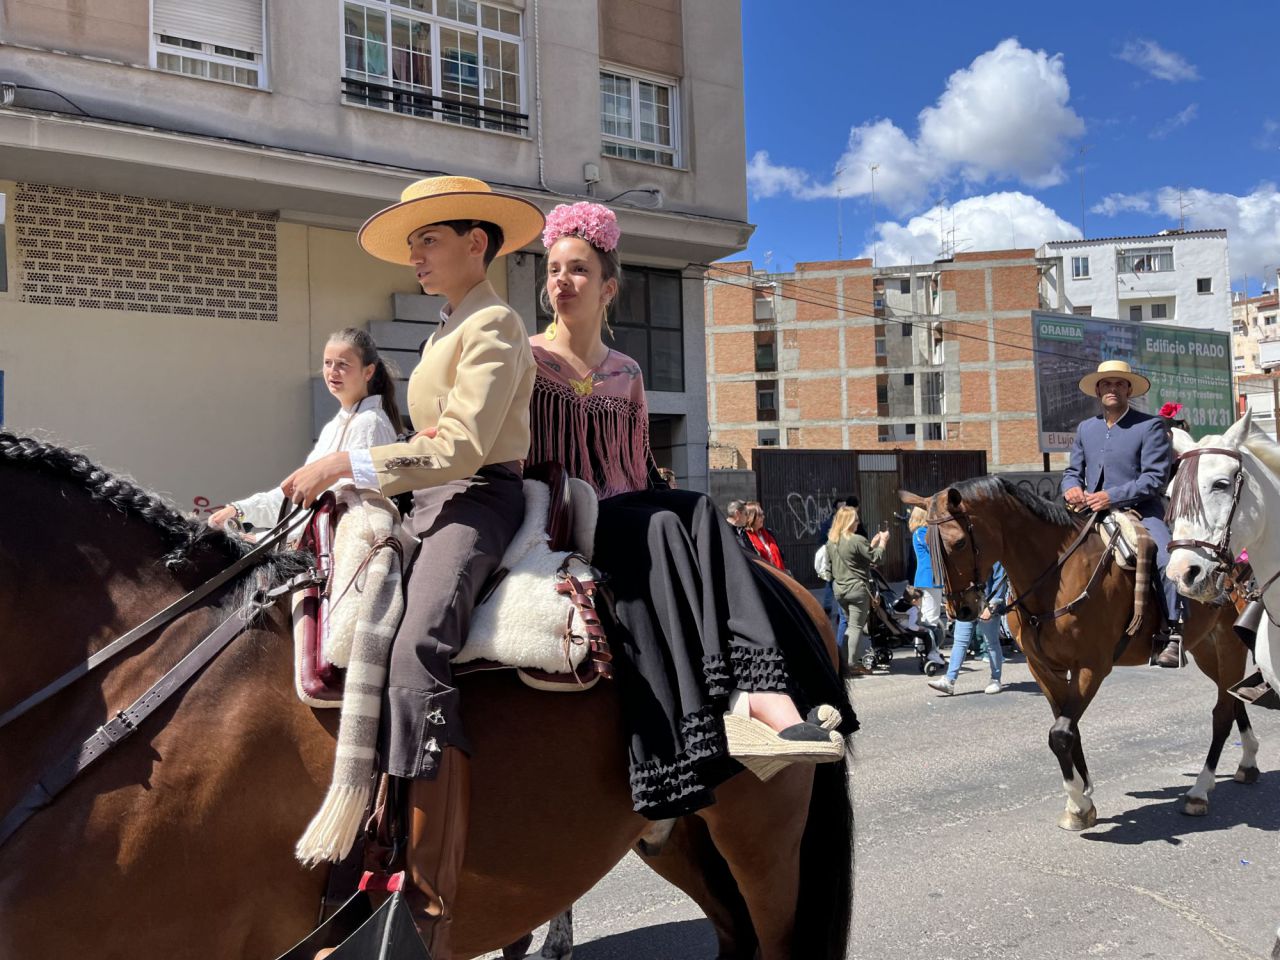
column 594, row 223
column 1171, row 410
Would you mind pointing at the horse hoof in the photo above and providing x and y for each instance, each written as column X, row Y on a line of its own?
column 1077, row 822
column 1195, row 807
column 1246, row 775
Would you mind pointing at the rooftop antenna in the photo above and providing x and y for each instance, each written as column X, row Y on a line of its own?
column 1084, row 148
column 1183, row 206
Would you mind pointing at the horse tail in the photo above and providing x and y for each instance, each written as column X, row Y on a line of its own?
column 824, row 911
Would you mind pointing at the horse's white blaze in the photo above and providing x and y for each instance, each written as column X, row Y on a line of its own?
column 1204, row 783
column 1077, row 791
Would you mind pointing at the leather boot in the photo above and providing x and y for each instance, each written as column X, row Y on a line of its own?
column 1172, row 656
column 439, row 814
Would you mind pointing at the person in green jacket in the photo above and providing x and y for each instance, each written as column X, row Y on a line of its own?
column 852, row 557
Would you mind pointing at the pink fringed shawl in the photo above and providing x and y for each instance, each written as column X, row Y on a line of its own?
column 601, row 437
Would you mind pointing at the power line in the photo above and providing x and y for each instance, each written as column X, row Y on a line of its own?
column 836, row 302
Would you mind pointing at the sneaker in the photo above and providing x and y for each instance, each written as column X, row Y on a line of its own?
column 993, row 687
column 943, row 685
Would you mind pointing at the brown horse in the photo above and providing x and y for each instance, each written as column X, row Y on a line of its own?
column 179, row 843
column 989, row 519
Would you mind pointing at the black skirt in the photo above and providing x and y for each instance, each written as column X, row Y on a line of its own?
column 692, row 620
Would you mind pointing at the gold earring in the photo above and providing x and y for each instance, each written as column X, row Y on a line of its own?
column 550, row 332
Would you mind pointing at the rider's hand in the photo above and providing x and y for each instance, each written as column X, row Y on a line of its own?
column 1098, row 501
column 306, row 483
column 1074, row 496
column 428, row 432
column 219, row 517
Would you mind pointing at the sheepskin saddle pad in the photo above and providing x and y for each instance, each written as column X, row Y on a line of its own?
column 533, row 616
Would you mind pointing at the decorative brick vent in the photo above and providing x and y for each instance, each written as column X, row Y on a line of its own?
column 77, row 248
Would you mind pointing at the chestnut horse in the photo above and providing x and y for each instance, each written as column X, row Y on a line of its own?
column 179, row 843
column 980, row 521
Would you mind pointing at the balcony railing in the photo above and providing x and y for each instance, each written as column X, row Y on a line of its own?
column 416, row 104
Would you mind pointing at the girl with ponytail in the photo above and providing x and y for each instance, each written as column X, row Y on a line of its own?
column 363, row 384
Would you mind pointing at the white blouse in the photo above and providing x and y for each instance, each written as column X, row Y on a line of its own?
column 365, row 425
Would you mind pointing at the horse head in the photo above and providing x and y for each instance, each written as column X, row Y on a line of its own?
column 953, row 535
column 1216, row 504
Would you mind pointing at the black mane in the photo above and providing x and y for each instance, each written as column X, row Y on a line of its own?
column 181, row 534
column 990, row 487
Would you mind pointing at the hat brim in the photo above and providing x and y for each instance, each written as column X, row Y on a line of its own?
column 385, row 235
column 1139, row 383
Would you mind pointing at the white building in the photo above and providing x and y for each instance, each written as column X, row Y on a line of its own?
column 1176, row 277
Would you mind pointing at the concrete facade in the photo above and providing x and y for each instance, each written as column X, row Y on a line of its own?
column 924, row 357
column 1255, row 321
column 1174, row 277
column 298, row 162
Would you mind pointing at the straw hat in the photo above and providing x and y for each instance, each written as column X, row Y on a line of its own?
column 1114, row 370
column 436, row 199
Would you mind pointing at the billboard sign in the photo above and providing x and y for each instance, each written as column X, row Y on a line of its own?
column 1187, row 366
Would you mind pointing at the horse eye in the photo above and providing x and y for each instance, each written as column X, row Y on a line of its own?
column 1222, row 483
column 960, row 544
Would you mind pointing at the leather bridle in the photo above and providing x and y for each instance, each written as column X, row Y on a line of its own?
column 1220, row 548
column 938, row 554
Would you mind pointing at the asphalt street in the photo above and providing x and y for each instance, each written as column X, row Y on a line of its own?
column 958, row 855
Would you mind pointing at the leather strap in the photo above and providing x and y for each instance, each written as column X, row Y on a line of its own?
column 167, row 615
column 119, row 728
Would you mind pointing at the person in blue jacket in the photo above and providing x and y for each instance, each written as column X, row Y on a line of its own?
column 931, row 592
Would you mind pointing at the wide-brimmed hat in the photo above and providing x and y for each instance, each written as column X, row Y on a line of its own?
column 1114, row 370
column 437, row 199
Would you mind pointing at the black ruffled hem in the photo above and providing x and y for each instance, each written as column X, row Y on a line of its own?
column 747, row 668
column 662, row 789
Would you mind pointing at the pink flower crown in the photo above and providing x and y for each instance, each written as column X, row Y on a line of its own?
column 596, row 224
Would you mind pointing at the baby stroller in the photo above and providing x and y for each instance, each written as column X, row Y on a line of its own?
column 888, row 628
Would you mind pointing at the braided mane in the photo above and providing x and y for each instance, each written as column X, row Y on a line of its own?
column 181, row 534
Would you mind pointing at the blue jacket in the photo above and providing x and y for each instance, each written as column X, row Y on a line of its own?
column 924, row 566
column 1130, row 461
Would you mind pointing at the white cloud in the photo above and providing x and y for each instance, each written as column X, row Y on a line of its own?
column 1179, row 119
column 1269, row 138
column 1004, row 117
column 1156, row 60
column 1252, row 221
column 997, row 221
column 1116, row 203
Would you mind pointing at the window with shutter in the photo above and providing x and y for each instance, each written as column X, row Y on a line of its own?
column 222, row 40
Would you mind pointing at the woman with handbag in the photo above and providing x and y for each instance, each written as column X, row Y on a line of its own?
column 695, row 624
column 365, row 388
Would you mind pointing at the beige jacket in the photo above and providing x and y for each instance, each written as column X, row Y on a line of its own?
column 473, row 384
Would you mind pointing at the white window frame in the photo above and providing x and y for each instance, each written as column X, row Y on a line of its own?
column 1076, row 272
column 259, row 64
column 674, row 111
column 436, row 22
column 1161, row 306
column 1127, row 260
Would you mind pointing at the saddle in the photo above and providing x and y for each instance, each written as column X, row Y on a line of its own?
column 318, row 681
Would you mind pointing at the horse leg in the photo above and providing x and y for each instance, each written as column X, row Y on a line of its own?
column 1247, row 772
column 1196, row 801
column 689, row 860
column 1066, row 744
column 767, row 874
column 559, row 942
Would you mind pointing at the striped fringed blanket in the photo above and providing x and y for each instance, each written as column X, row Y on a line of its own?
column 367, row 582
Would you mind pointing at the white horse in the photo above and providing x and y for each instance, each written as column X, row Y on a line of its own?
column 1225, row 504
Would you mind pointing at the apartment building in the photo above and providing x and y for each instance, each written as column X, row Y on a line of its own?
column 841, row 355
column 181, row 181
column 1255, row 331
column 1178, row 277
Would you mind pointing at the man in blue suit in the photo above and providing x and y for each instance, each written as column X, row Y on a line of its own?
column 1122, row 458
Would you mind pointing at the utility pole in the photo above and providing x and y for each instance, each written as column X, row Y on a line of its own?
column 875, row 242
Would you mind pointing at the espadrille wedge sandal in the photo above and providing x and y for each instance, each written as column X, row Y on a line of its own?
column 765, row 751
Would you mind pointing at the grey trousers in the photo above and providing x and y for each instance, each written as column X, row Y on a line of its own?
column 465, row 527
column 857, row 607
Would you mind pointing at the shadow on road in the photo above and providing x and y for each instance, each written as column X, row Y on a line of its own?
column 689, row 939
column 1230, row 805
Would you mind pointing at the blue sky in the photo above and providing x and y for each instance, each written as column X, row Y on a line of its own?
column 977, row 125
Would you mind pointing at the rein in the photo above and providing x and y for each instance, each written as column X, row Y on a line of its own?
column 1219, row 549
column 58, row 777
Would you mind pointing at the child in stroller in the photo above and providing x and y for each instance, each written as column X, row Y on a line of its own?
column 889, row 625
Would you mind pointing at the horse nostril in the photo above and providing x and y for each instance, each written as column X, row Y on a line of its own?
column 1192, row 574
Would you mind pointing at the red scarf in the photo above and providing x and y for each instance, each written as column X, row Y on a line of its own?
column 766, row 546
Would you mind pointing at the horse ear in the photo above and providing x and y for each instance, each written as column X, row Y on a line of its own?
column 954, row 499
column 1239, row 430
column 1182, row 441
column 913, row 499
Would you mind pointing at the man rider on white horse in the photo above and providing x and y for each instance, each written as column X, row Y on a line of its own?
column 1122, row 458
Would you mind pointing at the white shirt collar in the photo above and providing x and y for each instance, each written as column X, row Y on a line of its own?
column 368, row 403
